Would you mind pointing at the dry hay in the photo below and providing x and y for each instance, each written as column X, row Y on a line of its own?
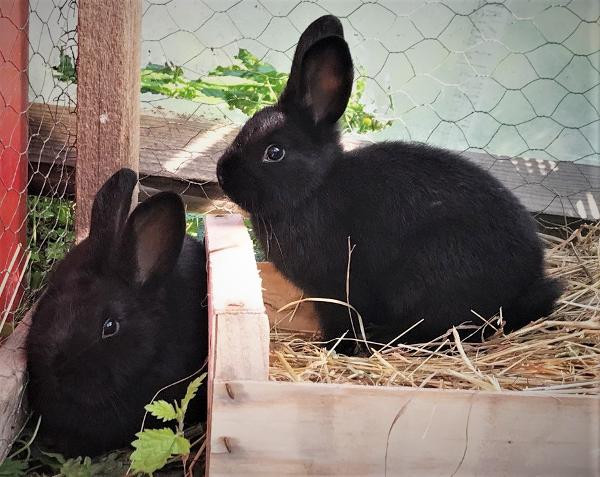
column 559, row 354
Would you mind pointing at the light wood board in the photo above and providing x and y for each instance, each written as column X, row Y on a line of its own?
column 263, row 428
column 284, row 429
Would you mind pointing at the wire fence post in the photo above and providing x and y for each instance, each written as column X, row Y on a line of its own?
column 108, row 97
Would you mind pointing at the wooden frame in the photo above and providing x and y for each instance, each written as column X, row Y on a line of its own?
column 259, row 427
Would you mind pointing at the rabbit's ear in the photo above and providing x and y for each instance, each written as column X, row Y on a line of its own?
column 152, row 239
column 322, row 27
column 111, row 207
column 325, row 80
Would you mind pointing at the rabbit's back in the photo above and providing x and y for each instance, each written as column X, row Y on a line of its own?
column 434, row 236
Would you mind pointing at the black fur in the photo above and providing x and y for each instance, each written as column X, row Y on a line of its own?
column 144, row 272
column 435, row 236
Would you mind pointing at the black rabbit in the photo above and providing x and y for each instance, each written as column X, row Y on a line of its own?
column 435, row 236
column 123, row 315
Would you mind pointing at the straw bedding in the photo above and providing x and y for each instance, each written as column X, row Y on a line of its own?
column 558, row 354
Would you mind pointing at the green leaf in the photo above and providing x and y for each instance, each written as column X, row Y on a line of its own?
column 79, row 467
column 154, row 447
column 249, row 85
column 230, row 81
column 192, row 389
column 52, row 460
column 162, row 410
column 13, row 468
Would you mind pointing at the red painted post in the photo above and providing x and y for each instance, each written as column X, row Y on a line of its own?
column 13, row 149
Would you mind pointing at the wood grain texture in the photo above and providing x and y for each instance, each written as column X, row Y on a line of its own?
column 182, row 152
column 238, row 327
column 278, row 292
column 264, row 428
column 234, row 280
column 108, row 97
column 13, row 377
column 284, row 429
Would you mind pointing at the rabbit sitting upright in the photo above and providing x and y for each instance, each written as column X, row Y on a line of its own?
column 435, row 236
column 123, row 316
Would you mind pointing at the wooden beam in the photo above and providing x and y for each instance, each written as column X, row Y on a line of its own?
column 235, row 304
column 175, row 153
column 235, row 308
column 181, row 153
column 284, row 429
column 108, row 97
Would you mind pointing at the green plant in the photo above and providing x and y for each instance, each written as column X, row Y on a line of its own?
column 16, row 467
column 248, row 85
column 28, row 459
column 154, row 447
column 13, row 468
column 194, row 225
column 65, row 70
column 110, row 465
column 50, row 233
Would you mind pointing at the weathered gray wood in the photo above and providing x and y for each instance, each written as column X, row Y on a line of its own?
column 13, row 377
column 108, row 97
column 181, row 153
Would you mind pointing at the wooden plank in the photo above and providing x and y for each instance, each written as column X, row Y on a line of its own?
column 263, row 428
column 233, row 274
column 108, row 97
column 278, row 292
column 238, row 327
column 284, row 429
column 565, row 189
column 175, row 153
column 182, row 152
column 13, row 377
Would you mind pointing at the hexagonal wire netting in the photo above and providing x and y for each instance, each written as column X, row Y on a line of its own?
column 514, row 85
column 37, row 100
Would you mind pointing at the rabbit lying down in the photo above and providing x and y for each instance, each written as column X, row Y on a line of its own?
column 122, row 316
column 435, row 236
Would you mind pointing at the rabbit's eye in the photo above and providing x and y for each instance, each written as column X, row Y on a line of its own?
column 274, row 153
column 110, row 328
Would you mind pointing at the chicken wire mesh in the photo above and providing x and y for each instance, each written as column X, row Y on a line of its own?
column 514, row 85
column 36, row 107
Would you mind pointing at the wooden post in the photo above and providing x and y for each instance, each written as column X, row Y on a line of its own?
column 235, row 311
column 14, row 27
column 108, row 101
